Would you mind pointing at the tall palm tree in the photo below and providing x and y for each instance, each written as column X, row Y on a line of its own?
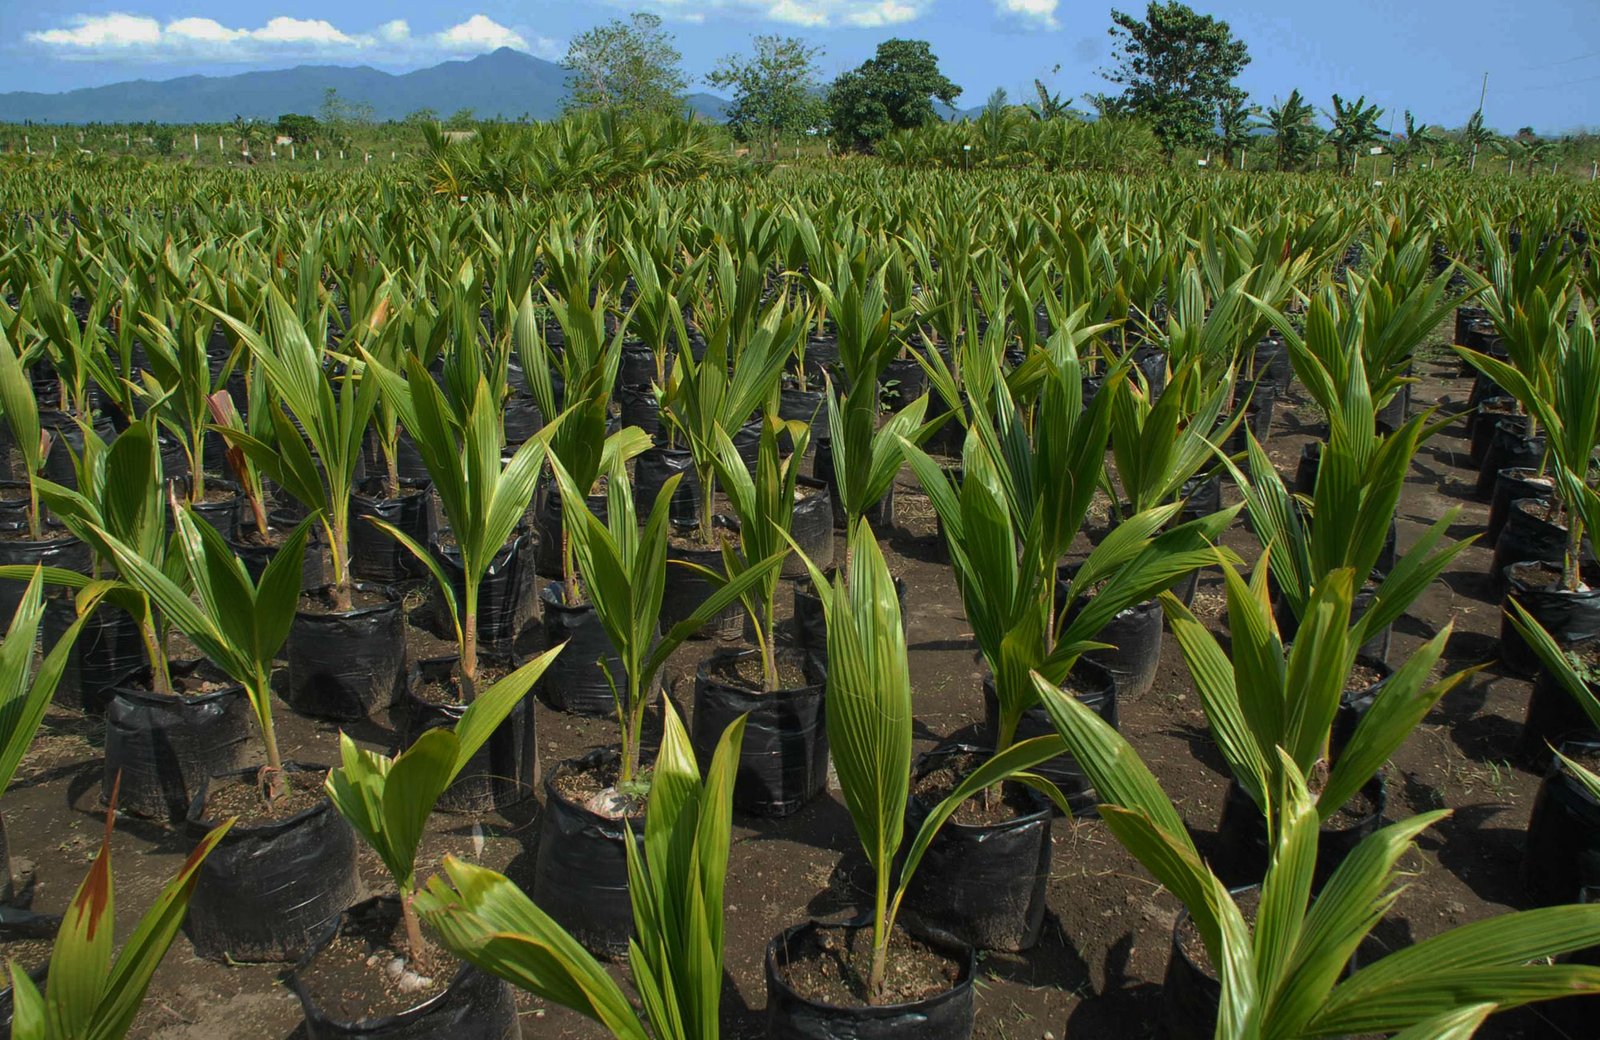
column 1355, row 126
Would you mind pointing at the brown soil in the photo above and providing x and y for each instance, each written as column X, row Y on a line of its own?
column 834, row 967
column 447, row 692
column 746, row 673
column 22, row 534
column 214, row 493
column 321, row 601
column 690, row 541
column 583, row 786
column 271, row 540
column 1355, row 811
column 1248, row 902
column 27, row 954
column 246, row 800
column 351, row 978
column 1362, row 677
column 981, row 810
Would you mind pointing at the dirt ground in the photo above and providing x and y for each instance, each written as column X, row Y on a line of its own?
column 1096, row 973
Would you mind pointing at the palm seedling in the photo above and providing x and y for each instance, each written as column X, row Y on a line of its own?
column 587, row 366
column 1348, row 521
column 865, row 456
column 623, row 570
column 179, row 379
column 1029, row 477
column 120, row 491
column 24, row 697
column 318, row 467
column 1561, row 398
column 869, row 723
column 739, row 371
column 1286, row 976
column 676, row 888
column 238, row 624
column 483, row 496
column 22, row 419
column 1270, row 708
column 92, row 993
column 387, row 800
column 1531, row 291
column 763, row 502
column 1159, row 442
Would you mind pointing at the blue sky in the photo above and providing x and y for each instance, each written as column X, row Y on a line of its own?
column 1542, row 56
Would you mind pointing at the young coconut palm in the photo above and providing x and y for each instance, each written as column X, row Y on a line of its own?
column 1267, row 707
column 1567, row 406
column 90, row 993
column 119, row 491
column 623, row 569
column 869, row 718
column 676, row 886
column 239, row 625
column 1286, row 976
column 483, row 496
column 24, row 697
column 743, row 360
column 1028, row 480
column 333, row 409
column 764, row 504
column 1347, row 521
column 387, row 800
column 22, row 419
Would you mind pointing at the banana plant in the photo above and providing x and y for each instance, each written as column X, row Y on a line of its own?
column 1286, row 977
column 869, row 721
column 333, row 408
column 91, row 993
column 239, row 625
column 676, row 887
column 1266, row 707
column 764, row 504
column 387, row 800
column 483, row 497
column 623, row 570
column 1566, row 404
column 22, row 418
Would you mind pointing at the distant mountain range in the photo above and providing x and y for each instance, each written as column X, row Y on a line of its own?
column 505, row 84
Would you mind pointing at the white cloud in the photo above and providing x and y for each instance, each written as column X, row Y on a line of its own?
column 807, row 14
column 885, row 12
column 312, row 32
column 138, row 37
column 1038, row 14
column 480, row 33
column 103, row 31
